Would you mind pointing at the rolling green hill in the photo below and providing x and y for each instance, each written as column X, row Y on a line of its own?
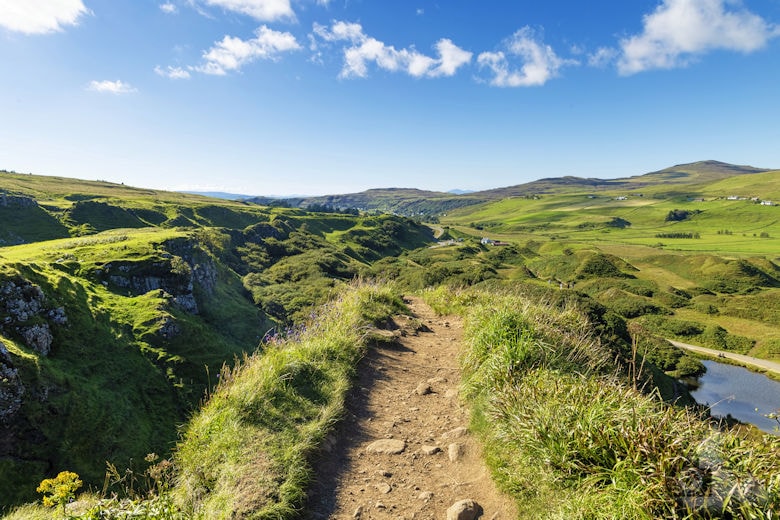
column 685, row 180
column 401, row 201
column 119, row 306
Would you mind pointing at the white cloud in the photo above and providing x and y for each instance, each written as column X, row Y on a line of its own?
column 364, row 50
column 172, row 72
column 602, row 57
column 168, row 8
column 111, row 87
column 679, row 30
column 232, row 53
column 40, row 16
column 263, row 10
column 539, row 61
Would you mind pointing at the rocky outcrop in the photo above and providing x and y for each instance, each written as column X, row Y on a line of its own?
column 179, row 272
column 23, row 312
column 11, row 387
column 17, row 201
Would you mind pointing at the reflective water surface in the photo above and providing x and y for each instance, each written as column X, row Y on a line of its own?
column 746, row 395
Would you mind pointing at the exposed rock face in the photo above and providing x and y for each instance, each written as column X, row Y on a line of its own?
column 23, row 311
column 11, row 388
column 179, row 273
column 38, row 337
column 16, row 201
column 20, row 300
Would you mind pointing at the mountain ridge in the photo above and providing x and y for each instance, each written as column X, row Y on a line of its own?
column 427, row 203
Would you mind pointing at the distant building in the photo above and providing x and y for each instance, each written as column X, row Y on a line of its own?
column 767, row 203
column 490, row 242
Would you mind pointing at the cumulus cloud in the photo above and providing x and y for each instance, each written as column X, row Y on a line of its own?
column 679, row 30
column 40, row 16
column 231, row 53
column 263, row 10
column 172, row 72
column 168, row 8
column 363, row 50
column 538, row 62
column 111, row 87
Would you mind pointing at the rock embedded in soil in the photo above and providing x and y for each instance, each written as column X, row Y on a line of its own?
column 455, row 451
column 387, row 446
column 430, row 450
column 384, row 488
column 456, row 433
column 464, row 510
column 423, row 389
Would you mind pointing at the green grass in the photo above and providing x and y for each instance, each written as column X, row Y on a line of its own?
column 247, row 451
column 115, row 367
column 568, row 437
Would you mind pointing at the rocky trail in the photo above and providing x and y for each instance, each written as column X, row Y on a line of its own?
column 404, row 450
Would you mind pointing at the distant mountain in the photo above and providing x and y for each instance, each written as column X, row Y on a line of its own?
column 691, row 174
column 219, row 195
column 401, row 201
column 239, row 196
column 460, row 192
column 421, row 203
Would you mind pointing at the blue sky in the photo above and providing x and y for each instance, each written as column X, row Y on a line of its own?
column 283, row 97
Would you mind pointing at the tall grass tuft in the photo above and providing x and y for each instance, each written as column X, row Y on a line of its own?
column 246, row 453
column 569, row 436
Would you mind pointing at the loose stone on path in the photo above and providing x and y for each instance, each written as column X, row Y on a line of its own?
column 464, row 510
column 387, row 446
column 456, row 433
column 423, row 389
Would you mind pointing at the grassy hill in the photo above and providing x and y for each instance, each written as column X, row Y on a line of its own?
column 700, row 245
column 682, row 180
column 400, row 201
column 119, row 306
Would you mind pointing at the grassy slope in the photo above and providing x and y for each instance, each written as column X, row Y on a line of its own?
column 568, row 437
column 112, row 368
column 281, row 261
column 729, row 231
column 247, row 452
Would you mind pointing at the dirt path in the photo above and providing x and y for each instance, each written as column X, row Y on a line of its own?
column 762, row 364
column 407, row 398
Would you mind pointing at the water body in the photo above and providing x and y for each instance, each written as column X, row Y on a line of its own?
column 746, row 395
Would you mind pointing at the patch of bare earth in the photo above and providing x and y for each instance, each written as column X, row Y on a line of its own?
column 404, row 450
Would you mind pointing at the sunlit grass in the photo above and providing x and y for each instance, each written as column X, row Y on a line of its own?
column 247, row 452
column 568, row 437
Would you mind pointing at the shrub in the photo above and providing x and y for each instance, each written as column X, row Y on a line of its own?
column 60, row 490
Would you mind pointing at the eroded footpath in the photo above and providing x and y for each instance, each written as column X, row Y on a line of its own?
column 404, row 450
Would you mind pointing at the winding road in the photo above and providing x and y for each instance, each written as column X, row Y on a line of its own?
column 769, row 366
